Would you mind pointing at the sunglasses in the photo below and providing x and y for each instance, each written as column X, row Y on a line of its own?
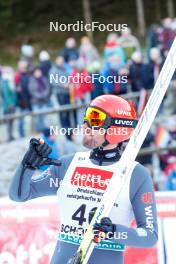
column 97, row 118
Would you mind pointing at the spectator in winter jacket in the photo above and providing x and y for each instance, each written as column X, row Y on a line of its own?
column 152, row 37
column 22, row 89
column 88, row 52
column 166, row 35
column 8, row 94
column 70, row 66
column 27, row 54
column 113, row 47
column 45, row 66
column 156, row 59
column 39, row 91
column 45, row 63
column 137, row 72
column 129, row 43
column 153, row 68
column 111, row 73
column 81, row 84
column 60, row 87
column 124, row 83
column 70, row 51
column 97, row 85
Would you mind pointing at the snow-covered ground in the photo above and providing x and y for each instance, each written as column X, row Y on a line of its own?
column 11, row 153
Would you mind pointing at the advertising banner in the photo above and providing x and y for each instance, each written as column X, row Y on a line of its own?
column 28, row 232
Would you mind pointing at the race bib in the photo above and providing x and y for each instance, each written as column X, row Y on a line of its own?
column 81, row 192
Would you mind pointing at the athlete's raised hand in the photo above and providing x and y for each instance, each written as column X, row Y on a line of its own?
column 37, row 155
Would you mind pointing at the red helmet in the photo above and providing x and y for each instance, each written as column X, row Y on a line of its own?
column 118, row 118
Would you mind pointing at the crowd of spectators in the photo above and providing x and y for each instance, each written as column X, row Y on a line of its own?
column 47, row 84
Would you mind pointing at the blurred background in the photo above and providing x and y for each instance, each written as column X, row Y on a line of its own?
column 30, row 53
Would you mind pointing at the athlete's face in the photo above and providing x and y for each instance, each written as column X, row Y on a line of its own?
column 92, row 138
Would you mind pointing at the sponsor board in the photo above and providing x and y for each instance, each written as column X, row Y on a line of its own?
column 31, row 238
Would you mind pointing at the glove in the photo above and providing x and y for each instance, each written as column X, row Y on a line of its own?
column 37, row 155
column 104, row 229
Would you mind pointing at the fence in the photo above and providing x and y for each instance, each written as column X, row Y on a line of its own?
column 153, row 150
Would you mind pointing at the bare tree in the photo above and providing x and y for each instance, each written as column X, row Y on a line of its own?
column 170, row 8
column 141, row 17
column 87, row 16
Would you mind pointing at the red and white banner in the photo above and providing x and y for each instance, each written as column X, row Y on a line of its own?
column 28, row 232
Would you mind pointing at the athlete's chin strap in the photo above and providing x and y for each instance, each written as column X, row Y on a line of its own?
column 110, row 155
column 105, row 143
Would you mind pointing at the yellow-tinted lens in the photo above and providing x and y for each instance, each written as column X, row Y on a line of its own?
column 94, row 117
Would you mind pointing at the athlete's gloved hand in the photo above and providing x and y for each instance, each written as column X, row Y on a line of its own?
column 104, row 229
column 37, row 155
